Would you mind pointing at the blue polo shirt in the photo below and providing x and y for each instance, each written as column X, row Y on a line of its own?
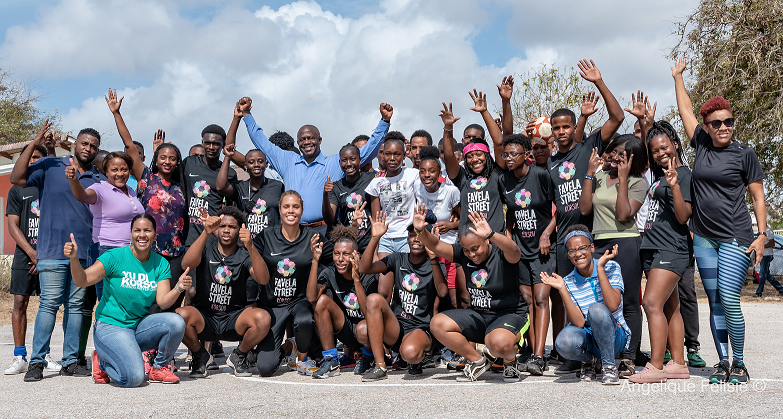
column 61, row 213
column 309, row 179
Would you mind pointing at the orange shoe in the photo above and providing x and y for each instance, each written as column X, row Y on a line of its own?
column 98, row 375
column 163, row 375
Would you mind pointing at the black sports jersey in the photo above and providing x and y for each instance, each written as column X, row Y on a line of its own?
column 662, row 231
column 261, row 206
column 288, row 263
column 223, row 283
column 567, row 171
column 201, row 191
column 344, row 291
column 482, row 195
column 24, row 203
column 349, row 196
column 493, row 284
column 529, row 201
column 414, row 289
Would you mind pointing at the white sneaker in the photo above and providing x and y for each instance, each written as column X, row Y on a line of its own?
column 292, row 358
column 306, row 367
column 51, row 364
column 17, row 367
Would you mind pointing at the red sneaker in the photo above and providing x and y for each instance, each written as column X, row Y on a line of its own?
column 163, row 375
column 98, row 375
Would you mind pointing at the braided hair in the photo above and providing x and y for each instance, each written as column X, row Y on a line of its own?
column 663, row 128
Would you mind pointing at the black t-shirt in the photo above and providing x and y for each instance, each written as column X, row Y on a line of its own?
column 483, row 195
column 662, row 231
column 201, row 191
column 288, row 263
column 261, row 206
column 567, row 171
column 344, row 292
column 493, row 284
column 413, row 298
column 529, row 202
column 349, row 196
column 223, row 284
column 720, row 179
column 23, row 202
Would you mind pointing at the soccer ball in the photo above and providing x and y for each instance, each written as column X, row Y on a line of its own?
column 542, row 130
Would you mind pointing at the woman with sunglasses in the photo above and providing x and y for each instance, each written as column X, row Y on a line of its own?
column 723, row 239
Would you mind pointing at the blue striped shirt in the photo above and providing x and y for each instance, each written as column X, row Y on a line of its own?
column 586, row 291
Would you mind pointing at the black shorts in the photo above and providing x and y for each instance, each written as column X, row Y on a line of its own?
column 407, row 327
column 475, row 325
column 347, row 335
column 564, row 265
column 24, row 283
column 220, row 326
column 664, row 259
column 530, row 269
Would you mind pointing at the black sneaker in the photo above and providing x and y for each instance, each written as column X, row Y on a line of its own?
column 536, row 365
column 722, row 372
column 364, row 364
column 238, row 361
column 375, row 374
column 398, row 363
column 329, row 368
column 34, row 372
column 555, row 358
column 473, row 370
column 428, row 361
column 198, row 366
column 82, row 362
column 739, row 374
column 74, row 370
column 510, row 373
column 569, row 367
column 217, row 350
column 252, row 359
column 457, row 363
column 415, row 369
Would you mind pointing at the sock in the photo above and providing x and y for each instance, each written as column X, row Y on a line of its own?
column 21, row 351
column 331, row 353
column 366, row 352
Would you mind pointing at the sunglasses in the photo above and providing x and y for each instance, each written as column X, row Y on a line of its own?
column 716, row 124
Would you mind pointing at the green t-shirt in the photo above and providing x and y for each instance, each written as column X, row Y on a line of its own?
column 129, row 286
column 605, row 224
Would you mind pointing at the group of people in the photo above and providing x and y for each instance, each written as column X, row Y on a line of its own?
column 483, row 241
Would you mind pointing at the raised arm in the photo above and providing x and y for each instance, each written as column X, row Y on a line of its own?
column 166, row 296
column 87, row 196
column 482, row 229
column 225, row 187
column 82, row 277
column 682, row 209
column 361, row 295
column 370, row 150
column 19, row 172
column 589, row 107
column 612, row 296
column 314, row 291
column 480, row 106
column 588, row 186
column 589, row 72
column 441, row 286
column 684, row 104
column 192, row 257
column 328, row 209
column 379, row 227
column 430, row 240
column 625, row 208
column 506, row 90
column 258, row 268
column 277, row 157
column 231, row 138
column 448, row 118
column 114, row 106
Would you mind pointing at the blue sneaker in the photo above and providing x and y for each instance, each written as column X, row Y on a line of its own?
column 346, row 360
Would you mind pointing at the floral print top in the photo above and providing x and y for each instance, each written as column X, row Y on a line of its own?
column 165, row 202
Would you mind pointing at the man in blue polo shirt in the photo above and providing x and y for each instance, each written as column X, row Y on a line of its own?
column 61, row 215
column 307, row 173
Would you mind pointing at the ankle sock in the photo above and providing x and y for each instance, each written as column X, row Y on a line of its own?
column 366, row 352
column 330, row 353
column 21, row 351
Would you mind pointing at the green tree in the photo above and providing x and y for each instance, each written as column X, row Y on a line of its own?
column 20, row 118
column 735, row 49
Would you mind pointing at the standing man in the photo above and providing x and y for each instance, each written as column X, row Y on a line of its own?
column 307, row 173
column 61, row 214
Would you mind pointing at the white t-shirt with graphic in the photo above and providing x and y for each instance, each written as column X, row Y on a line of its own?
column 398, row 200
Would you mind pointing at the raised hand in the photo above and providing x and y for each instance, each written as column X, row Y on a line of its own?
column 229, row 150
column 649, row 112
column 245, row 237
column 482, row 228
column 42, row 133
column 71, row 249
column 202, row 215
column 111, row 100
column 158, row 139
column 316, row 247
column 589, row 104
column 379, row 224
column 420, row 217
column 386, row 111
column 555, row 281
column 184, row 282
column 447, row 115
column 212, row 223
column 443, row 226
column 435, row 232
column 329, row 185
column 607, row 256
column 589, row 71
column 358, row 215
column 245, row 105
column 637, row 105
column 530, row 128
column 679, row 67
column 70, row 171
column 670, row 174
column 595, row 162
column 479, row 101
column 50, row 139
column 506, row 88
column 355, row 258
column 624, row 166
column 499, row 121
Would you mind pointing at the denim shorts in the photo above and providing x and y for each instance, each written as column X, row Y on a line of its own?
column 393, row 245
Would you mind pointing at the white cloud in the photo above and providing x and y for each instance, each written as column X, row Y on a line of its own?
column 305, row 65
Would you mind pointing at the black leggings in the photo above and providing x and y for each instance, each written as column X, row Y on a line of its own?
column 631, row 268
column 269, row 350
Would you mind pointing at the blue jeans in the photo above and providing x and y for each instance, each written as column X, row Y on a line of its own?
column 766, row 276
column 396, row 245
column 603, row 338
column 119, row 348
column 57, row 288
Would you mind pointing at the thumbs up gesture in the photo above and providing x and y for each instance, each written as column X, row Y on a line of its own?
column 70, row 171
column 329, row 185
column 185, row 281
column 71, row 250
column 245, row 236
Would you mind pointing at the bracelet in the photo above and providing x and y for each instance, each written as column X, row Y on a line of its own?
column 490, row 235
column 418, row 231
column 435, row 259
column 763, row 232
column 179, row 290
column 589, row 177
column 448, row 130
